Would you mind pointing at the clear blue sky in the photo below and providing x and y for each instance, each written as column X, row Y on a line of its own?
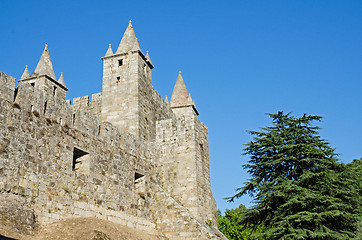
column 239, row 59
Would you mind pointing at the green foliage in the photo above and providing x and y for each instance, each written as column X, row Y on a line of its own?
column 352, row 176
column 230, row 224
column 300, row 190
column 359, row 229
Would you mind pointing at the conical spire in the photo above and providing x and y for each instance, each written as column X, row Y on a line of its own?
column 25, row 73
column 129, row 41
column 148, row 58
column 45, row 65
column 180, row 96
column 189, row 99
column 166, row 99
column 61, row 79
column 109, row 51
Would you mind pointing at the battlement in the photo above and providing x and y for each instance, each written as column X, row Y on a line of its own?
column 57, row 111
column 126, row 156
column 7, row 86
column 94, row 107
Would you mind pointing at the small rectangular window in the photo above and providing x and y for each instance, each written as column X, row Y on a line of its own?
column 137, row 177
column 120, row 62
column 33, row 84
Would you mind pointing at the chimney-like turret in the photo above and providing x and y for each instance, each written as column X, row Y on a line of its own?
column 109, row 51
column 25, row 73
column 61, row 80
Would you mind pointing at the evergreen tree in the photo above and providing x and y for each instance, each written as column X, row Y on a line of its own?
column 295, row 182
column 352, row 177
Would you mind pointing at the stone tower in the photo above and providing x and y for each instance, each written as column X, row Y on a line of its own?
column 127, row 86
column 184, row 144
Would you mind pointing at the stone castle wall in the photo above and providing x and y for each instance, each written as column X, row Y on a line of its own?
column 67, row 163
column 185, row 162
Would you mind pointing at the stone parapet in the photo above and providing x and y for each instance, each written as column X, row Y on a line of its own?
column 7, row 86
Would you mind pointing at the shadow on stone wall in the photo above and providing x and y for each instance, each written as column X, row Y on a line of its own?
column 6, row 238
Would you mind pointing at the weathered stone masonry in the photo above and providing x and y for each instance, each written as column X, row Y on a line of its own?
column 128, row 156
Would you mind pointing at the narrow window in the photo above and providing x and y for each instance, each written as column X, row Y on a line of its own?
column 80, row 161
column 73, row 119
column 45, row 107
column 202, row 150
column 33, row 84
column 54, row 89
column 15, row 93
column 120, row 62
column 118, row 79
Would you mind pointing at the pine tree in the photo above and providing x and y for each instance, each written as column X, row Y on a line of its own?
column 295, row 182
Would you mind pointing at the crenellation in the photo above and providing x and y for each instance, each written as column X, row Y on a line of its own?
column 7, row 86
column 96, row 105
column 127, row 156
column 81, row 102
column 38, row 103
column 84, row 103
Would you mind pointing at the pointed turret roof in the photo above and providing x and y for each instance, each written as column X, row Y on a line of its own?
column 61, row 80
column 166, row 99
column 45, row 65
column 189, row 99
column 148, row 58
column 129, row 41
column 25, row 73
column 180, row 96
column 109, row 51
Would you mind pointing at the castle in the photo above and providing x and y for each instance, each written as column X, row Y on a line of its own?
column 127, row 156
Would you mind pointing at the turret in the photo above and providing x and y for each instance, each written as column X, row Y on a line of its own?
column 61, row 80
column 187, row 171
column 43, row 77
column 148, row 59
column 25, row 73
column 126, row 86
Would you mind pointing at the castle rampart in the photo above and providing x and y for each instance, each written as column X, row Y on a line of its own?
column 145, row 166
